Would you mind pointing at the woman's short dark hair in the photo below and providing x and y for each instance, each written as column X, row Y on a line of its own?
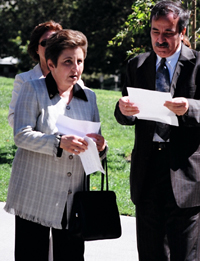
column 163, row 8
column 64, row 39
column 37, row 33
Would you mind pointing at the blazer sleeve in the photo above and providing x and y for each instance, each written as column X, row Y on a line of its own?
column 192, row 116
column 122, row 119
column 18, row 82
column 26, row 113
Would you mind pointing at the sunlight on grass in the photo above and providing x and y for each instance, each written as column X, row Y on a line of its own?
column 120, row 141
column 6, row 142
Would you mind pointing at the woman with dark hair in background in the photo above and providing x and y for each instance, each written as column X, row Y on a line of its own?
column 36, row 50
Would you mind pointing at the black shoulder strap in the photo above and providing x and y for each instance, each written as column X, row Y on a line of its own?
column 86, row 186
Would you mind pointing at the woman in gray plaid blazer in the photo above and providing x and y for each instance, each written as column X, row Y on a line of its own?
column 47, row 170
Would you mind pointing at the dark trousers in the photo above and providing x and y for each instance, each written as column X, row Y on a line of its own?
column 32, row 243
column 165, row 231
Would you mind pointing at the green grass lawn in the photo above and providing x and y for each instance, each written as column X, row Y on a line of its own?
column 120, row 141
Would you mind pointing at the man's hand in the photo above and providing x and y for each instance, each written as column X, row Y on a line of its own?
column 126, row 107
column 178, row 105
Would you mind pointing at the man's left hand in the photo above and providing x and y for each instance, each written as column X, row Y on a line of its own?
column 178, row 105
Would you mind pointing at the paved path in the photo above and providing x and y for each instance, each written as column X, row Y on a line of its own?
column 122, row 249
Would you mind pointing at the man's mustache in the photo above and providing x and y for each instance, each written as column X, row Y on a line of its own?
column 165, row 44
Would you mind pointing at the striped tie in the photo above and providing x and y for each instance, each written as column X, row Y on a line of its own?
column 163, row 85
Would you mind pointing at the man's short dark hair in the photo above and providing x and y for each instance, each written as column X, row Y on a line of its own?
column 163, row 8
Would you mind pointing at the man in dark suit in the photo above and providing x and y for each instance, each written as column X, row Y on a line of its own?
column 165, row 170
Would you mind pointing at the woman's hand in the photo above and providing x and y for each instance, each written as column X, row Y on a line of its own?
column 73, row 144
column 99, row 139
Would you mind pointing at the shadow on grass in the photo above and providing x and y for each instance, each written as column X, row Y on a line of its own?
column 7, row 154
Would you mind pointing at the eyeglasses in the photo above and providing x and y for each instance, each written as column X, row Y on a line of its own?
column 43, row 43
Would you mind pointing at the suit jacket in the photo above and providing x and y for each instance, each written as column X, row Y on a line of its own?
column 184, row 140
column 41, row 183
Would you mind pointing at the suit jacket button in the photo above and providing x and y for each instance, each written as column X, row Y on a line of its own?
column 69, row 174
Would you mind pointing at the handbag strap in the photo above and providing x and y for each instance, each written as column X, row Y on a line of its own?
column 86, row 186
column 105, row 167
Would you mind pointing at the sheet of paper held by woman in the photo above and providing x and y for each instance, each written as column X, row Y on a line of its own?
column 89, row 158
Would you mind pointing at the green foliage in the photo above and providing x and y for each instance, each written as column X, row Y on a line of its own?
column 120, row 141
column 134, row 32
column 139, row 19
column 98, row 20
column 135, row 27
column 124, row 24
column 102, row 20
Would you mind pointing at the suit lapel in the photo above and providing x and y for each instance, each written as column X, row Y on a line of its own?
column 149, row 72
column 148, row 69
column 186, row 56
column 175, row 77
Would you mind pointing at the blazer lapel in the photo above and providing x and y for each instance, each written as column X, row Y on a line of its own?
column 185, row 56
column 175, row 77
column 148, row 69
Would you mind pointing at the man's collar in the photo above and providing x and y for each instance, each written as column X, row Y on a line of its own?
column 52, row 89
column 171, row 60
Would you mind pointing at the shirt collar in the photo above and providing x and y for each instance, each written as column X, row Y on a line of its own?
column 52, row 89
column 171, row 60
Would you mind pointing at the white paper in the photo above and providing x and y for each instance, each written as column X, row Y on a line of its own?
column 150, row 104
column 90, row 157
column 80, row 128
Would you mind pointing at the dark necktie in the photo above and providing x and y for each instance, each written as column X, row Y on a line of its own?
column 163, row 85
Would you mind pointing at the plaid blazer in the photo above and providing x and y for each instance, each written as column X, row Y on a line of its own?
column 41, row 184
column 35, row 73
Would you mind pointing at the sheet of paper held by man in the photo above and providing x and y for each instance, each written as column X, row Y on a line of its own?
column 90, row 158
column 150, row 104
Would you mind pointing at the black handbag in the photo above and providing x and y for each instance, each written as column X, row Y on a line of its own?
column 95, row 214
